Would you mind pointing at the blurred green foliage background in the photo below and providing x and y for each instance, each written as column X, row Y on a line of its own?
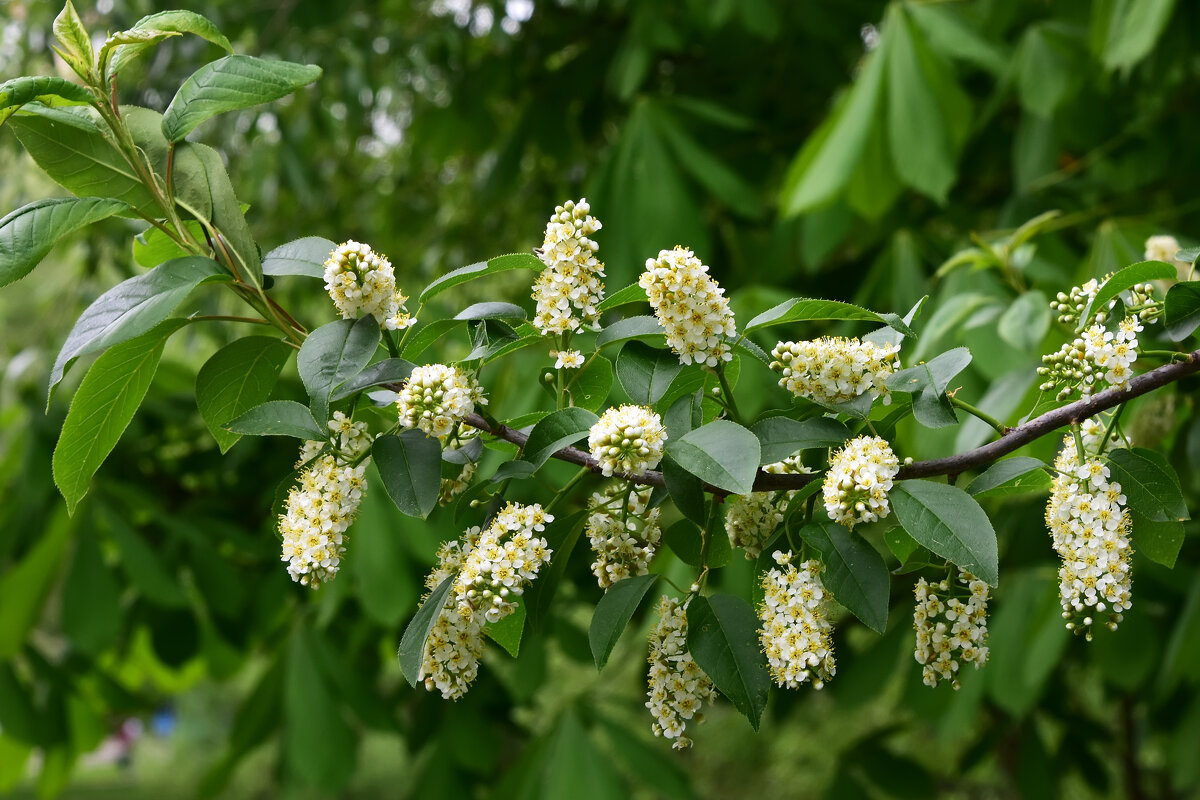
column 838, row 149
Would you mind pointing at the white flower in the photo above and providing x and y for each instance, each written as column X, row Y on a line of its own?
column 690, row 306
column 567, row 359
column 859, row 478
column 835, row 369
column 951, row 631
column 677, row 687
column 325, row 502
column 623, row 534
column 796, row 635
column 627, row 439
column 751, row 519
column 571, row 280
column 436, row 397
column 361, row 280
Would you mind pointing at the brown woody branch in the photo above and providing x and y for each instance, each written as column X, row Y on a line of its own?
column 1012, row 439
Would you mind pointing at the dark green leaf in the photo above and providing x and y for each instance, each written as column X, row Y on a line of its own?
column 1133, row 275
column 1149, row 483
column 589, row 386
column 780, row 437
column 645, row 762
column 237, row 378
column 231, row 83
column 575, row 767
column 133, row 307
column 562, row 535
column 1183, row 310
column 854, row 572
column 491, row 310
column 410, row 465
column 900, row 543
column 473, row 271
column 643, row 328
column 633, row 293
column 279, row 418
column 645, row 372
column 333, row 354
column 25, row 585
column 412, row 644
column 686, row 491
column 102, row 408
column 803, row 309
column 305, row 257
column 508, row 632
column 389, row 370
column 686, row 542
column 28, row 234
column 318, row 745
column 950, row 523
column 91, row 600
column 152, row 579
column 556, row 431
column 1158, row 541
column 723, row 639
column 1015, row 475
column 721, row 453
column 613, row 613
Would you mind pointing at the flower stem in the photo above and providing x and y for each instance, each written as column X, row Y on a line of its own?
column 727, row 392
column 978, row 413
column 571, row 484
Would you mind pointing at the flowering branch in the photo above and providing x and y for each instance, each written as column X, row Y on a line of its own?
column 1012, row 438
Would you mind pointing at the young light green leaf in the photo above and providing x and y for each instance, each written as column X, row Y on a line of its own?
column 1149, row 483
column 389, row 370
column 76, row 43
column 556, row 431
column 333, row 354
column 633, row 293
column 174, row 21
column 133, row 307
column 721, row 453
column 473, row 271
column 46, row 89
column 412, row 644
column 854, row 572
column 131, row 39
column 28, row 234
column 237, row 378
column 804, row 309
column 950, row 523
column 305, row 257
column 723, row 639
column 645, row 373
column 589, row 386
column 1133, row 29
column 231, row 83
column 644, row 328
column 613, row 613
column 780, row 437
column 102, row 408
column 411, row 467
column 1183, row 310
column 279, row 418
column 1158, row 541
column 1127, row 278
column 1015, row 475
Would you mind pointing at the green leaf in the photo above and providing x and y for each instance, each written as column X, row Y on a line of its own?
column 152, row 579
column 152, row 247
column 645, row 373
column 1027, row 639
column 200, row 167
column 643, row 328
column 1025, row 323
column 102, row 408
column 1017, row 475
column 900, row 543
column 1127, row 278
column 91, row 600
column 1133, row 29
column 412, row 644
column 723, row 639
column 279, row 418
column 28, row 234
column 237, row 378
column 25, row 585
column 76, row 42
column 589, row 386
column 685, row 490
column 1158, row 541
column 473, row 271
column 1149, row 483
column 132, row 39
column 427, row 336
column 411, row 467
column 45, row 89
column 318, row 744
column 950, row 523
column 491, row 310
column 389, row 370
column 721, row 453
column 556, row 431
column 803, row 309
column 231, row 83
column 508, row 631
column 854, row 572
column 333, row 354
column 562, row 535
column 645, row 762
column 686, row 542
column 633, row 293
column 613, row 613
column 305, row 257
column 1183, row 310
column 707, row 169
column 573, row 766
column 929, row 382
column 133, row 307
column 780, row 437
column 177, row 21
column 1046, row 65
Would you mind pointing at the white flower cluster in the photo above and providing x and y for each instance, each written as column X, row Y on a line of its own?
column 627, row 439
column 623, row 533
column 571, row 280
column 796, row 634
column 1111, row 353
column 859, row 478
column 436, row 397
column 690, row 306
column 567, row 359
column 1090, row 529
column 950, row 632
column 750, row 519
column 325, row 502
column 490, row 567
column 359, row 279
column 834, row 369
column 677, row 685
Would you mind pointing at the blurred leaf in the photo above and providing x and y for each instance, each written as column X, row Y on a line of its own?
column 410, row 465
column 237, row 378
column 91, row 603
column 575, row 767
column 1026, row 640
column 644, row 763
column 854, row 572
column 613, row 613
column 152, row 579
column 562, row 535
column 305, row 257
column 1046, row 68
column 1133, row 29
column 721, row 453
column 723, row 639
column 1024, row 323
column 318, row 745
column 712, row 173
column 950, row 523
column 23, row 587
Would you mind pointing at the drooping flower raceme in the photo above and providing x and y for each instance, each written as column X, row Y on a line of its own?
column 677, row 686
column 436, row 397
column 751, row 519
column 796, row 634
column 690, row 306
column 571, row 280
column 489, row 567
column 1090, row 529
column 627, row 439
column 859, row 479
column 623, row 533
column 360, row 280
column 951, row 631
column 834, row 369
column 325, row 502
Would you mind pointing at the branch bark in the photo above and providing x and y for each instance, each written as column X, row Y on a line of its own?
column 1012, row 439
